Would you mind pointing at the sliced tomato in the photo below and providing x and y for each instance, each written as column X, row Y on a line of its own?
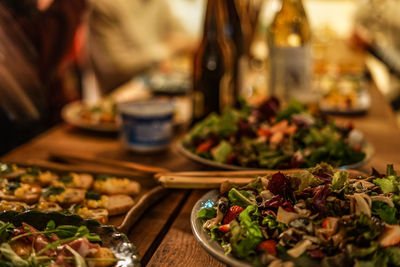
column 264, row 132
column 291, row 129
column 268, row 246
column 205, row 146
column 224, row 228
column 232, row 214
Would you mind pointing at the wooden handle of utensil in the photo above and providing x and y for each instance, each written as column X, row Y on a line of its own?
column 110, row 162
column 182, row 182
column 206, row 180
column 245, row 173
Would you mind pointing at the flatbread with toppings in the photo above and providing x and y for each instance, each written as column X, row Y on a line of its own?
column 115, row 204
column 15, row 191
column 31, row 188
column 63, row 196
column 114, row 186
column 74, row 180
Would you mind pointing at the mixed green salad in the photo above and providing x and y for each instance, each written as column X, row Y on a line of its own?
column 271, row 137
column 63, row 245
column 315, row 217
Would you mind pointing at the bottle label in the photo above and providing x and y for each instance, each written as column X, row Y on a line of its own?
column 242, row 74
column 198, row 104
column 291, row 73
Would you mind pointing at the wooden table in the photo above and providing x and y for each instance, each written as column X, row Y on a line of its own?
column 163, row 236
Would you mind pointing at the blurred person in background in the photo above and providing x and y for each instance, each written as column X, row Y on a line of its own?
column 126, row 37
column 377, row 30
column 36, row 38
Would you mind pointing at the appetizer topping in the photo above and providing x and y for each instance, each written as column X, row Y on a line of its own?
column 92, row 195
column 94, row 204
column 45, row 206
column 74, row 180
column 22, row 190
column 7, row 168
column 13, row 205
column 113, row 185
column 54, row 190
column 97, row 214
column 11, row 187
column 46, row 177
column 65, row 196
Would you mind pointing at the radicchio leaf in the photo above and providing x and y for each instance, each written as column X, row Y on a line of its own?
column 324, row 176
column 320, row 194
column 245, row 129
column 278, row 184
column 267, row 109
column 281, row 185
column 275, row 202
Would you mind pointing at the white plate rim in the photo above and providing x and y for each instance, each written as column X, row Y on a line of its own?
column 205, row 240
column 367, row 148
column 69, row 113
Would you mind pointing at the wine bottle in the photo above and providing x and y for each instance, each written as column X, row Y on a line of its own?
column 213, row 68
column 290, row 53
column 238, row 29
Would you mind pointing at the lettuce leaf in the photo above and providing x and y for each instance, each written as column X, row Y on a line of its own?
column 255, row 184
column 387, row 185
column 228, row 122
column 384, row 211
column 294, row 107
column 204, row 127
column 207, row 213
column 221, row 152
column 390, row 183
column 241, row 198
column 339, row 180
column 247, row 235
column 307, row 179
column 270, row 221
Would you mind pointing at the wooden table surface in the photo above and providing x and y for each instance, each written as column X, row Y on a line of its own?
column 162, row 235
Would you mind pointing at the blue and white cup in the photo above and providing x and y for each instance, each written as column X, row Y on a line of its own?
column 146, row 126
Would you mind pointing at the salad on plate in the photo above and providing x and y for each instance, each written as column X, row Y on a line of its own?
column 271, row 137
column 314, row 217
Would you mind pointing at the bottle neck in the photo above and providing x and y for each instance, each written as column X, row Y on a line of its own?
column 292, row 2
column 210, row 23
column 290, row 27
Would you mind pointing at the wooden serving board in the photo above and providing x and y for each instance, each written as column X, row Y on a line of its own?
column 150, row 191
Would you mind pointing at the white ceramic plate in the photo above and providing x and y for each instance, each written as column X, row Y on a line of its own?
column 367, row 148
column 70, row 114
column 205, row 240
column 363, row 105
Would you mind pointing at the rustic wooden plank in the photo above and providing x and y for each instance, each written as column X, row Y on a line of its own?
column 67, row 139
column 146, row 230
column 179, row 247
